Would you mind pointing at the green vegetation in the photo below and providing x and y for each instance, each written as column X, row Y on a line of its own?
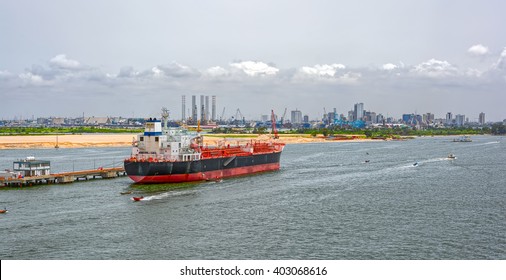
column 64, row 130
column 366, row 132
column 391, row 132
column 395, row 132
column 498, row 129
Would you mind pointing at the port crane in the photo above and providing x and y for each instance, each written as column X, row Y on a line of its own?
column 237, row 115
column 222, row 114
column 283, row 118
column 273, row 121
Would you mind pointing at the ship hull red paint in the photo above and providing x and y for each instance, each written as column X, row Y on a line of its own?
column 146, row 172
column 204, row 176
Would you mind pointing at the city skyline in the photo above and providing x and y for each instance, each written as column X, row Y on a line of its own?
column 207, row 113
column 134, row 58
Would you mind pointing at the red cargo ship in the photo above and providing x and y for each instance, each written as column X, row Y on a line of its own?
column 172, row 155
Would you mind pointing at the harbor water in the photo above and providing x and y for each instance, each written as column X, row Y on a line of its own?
column 326, row 202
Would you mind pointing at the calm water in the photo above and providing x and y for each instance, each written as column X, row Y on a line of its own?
column 324, row 203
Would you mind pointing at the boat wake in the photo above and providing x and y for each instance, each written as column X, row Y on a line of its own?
column 434, row 160
column 490, row 143
column 420, row 162
column 484, row 144
column 167, row 195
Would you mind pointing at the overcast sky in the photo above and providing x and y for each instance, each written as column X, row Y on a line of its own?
column 130, row 58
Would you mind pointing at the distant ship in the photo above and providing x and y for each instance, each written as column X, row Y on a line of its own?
column 174, row 155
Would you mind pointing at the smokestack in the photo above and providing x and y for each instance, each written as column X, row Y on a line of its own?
column 194, row 108
column 207, row 108
column 213, row 116
column 202, row 109
column 183, row 107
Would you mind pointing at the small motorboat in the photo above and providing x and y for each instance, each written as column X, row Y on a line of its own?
column 452, row 156
column 366, row 161
column 3, row 211
column 464, row 138
column 137, row 198
column 415, row 164
column 127, row 192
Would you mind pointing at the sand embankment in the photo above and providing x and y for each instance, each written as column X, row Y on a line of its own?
column 125, row 140
column 66, row 141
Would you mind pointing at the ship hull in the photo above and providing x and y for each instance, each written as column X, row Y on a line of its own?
column 201, row 170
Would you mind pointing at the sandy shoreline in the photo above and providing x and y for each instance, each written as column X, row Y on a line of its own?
column 125, row 140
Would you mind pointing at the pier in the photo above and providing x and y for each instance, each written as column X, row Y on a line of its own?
column 64, row 177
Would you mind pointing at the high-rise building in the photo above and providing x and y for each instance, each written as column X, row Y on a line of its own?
column 428, row 118
column 351, row 115
column 372, row 116
column 194, row 109
column 369, row 117
column 460, row 120
column 358, row 112
column 449, row 118
column 331, row 116
column 379, row 118
column 407, row 118
column 296, row 117
column 183, row 107
column 306, row 118
column 482, row 118
column 213, row 113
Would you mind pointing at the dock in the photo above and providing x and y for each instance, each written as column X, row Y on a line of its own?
column 64, row 177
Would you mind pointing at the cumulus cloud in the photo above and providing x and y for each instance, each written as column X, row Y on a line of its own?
column 471, row 72
column 59, row 68
column 501, row 62
column 61, row 61
column 52, row 74
column 157, row 72
column 478, row 50
column 4, row 75
column 127, row 72
column 322, row 70
column 216, row 71
column 254, row 68
column 31, row 78
column 389, row 66
column 63, row 71
column 435, row 69
column 45, row 73
column 249, row 79
column 350, row 78
column 328, row 73
column 174, row 70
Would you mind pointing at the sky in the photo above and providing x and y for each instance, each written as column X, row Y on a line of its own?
column 129, row 58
